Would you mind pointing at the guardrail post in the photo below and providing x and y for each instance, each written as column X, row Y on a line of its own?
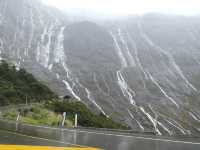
column 17, row 121
column 76, row 121
column 64, row 117
column 18, row 116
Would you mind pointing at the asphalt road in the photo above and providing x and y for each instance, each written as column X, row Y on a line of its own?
column 10, row 138
column 120, row 141
column 101, row 139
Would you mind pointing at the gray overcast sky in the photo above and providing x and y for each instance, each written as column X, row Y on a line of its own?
column 125, row 7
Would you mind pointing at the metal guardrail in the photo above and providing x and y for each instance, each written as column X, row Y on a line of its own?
column 117, row 130
column 17, row 126
column 33, row 129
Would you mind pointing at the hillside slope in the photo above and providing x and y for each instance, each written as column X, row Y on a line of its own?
column 141, row 70
column 18, row 86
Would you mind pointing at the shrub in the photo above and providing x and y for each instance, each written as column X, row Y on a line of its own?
column 86, row 118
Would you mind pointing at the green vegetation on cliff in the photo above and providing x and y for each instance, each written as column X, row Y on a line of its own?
column 16, row 86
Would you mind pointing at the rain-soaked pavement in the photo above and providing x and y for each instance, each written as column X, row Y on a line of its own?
column 9, row 138
column 100, row 139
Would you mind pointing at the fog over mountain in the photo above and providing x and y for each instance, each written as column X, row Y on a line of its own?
column 143, row 71
column 129, row 7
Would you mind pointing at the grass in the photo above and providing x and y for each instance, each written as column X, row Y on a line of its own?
column 50, row 114
column 37, row 115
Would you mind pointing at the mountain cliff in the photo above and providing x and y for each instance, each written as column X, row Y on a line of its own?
column 140, row 70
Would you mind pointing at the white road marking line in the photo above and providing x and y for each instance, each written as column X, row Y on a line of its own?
column 127, row 136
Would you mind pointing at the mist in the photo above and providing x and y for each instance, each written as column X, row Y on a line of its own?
column 128, row 7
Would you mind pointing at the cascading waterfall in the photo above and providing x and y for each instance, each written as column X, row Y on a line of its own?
column 152, row 120
column 71, row 90
column 1, row 46
column 159, row 123
column 138, row 61
column 4, row 5
column 44, row 48
column 194, row 117
column 172, row 61
column 98, row 86
column 1, row 19
column 165, row 128
column 175, row 124
column 139, row 124
column 91, row 97
column 60, row 57
column 162, row 90
column 58, row 52
column 137, row 57
column 128, row 53
column 126, row 90
column 106, row 85
column 119, row 52
column 57, row 76
column 47, row 47
column 32, row 26
column 155, row 122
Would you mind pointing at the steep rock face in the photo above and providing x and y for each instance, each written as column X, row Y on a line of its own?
column 88, row 41
column 166, row 57
column 31, row 36
column 143, row 71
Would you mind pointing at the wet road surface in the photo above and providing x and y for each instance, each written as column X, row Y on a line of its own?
column 107, row 140
column 117, row 141
column 7, row 138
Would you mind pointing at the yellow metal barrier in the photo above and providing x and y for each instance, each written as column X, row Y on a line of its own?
column 23, row 147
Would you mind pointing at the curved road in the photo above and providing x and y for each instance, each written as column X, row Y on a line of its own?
column 108, row 140
column 104, row 140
